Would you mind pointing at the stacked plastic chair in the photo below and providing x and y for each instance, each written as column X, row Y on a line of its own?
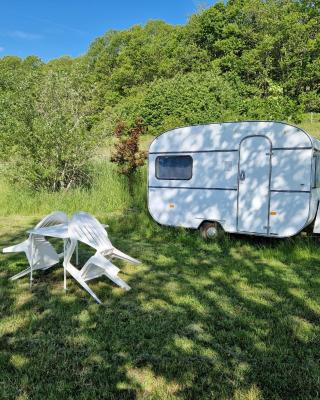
column 85, row 228
column 43, row 255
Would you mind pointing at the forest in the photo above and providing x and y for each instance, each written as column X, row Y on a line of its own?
column 244, row 59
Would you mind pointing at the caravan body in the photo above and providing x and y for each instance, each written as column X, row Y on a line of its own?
column 253, row 177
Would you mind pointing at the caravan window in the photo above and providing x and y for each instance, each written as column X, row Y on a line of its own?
column 317, row 171
column 174, row 167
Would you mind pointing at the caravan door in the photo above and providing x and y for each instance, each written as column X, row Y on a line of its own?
column 254, row 185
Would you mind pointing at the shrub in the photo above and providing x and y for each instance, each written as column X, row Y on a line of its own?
column 127, row 155
column 193, row 98
column 51, row 147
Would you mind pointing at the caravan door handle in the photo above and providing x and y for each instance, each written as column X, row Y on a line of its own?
column 242, row 175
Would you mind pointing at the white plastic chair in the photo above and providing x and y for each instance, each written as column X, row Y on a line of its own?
column 85, row 228
column 42, row 255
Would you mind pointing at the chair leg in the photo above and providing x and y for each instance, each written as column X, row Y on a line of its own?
column 17, row 248
column 91, row 292
column 77, row 254
column 76, row 275
column 118, row 281
column 20, row 274
column 27, row 271
column 119, row 254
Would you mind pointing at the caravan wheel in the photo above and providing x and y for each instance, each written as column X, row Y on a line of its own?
column 209, row 230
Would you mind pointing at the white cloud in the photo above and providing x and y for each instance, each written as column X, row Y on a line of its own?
column 1, row 48
column 24, row 35
column 202, row 5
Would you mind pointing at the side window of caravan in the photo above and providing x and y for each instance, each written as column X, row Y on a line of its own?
column 174, row 167
column 317, row 175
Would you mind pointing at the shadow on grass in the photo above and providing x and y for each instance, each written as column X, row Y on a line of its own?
column 235, row 318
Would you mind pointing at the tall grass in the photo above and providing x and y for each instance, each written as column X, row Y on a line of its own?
column 108, row 194
column 311, row 124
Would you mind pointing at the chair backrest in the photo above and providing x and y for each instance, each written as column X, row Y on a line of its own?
column 55, row 218
column 87, row 229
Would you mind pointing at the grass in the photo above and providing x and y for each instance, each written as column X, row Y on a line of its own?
column 109, row 193
column 311, row 124
column 236, row 318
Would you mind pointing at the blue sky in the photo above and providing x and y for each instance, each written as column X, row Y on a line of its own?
column 52, row 28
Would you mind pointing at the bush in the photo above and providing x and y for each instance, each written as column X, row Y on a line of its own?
column 194, row 98
column 51, row 147
column 280, row 108
column 199, row 98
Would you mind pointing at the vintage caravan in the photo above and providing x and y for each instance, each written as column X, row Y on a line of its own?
column 253, row 177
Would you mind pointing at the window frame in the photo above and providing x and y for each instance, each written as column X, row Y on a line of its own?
column 316, row 157
column 173, row 156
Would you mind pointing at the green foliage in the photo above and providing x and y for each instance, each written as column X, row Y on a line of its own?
column 123, row 59
column 197, row 98
column 263, row 42
column 46, row 140
column 242, row 59
column 281, row 108
column 18, row 79
column 189, row 99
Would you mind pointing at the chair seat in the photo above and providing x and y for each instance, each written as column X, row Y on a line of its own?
column 85, row 228
column 44, row 255
column 97, row 266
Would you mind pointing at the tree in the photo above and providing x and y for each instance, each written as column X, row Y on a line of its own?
column 51, row 146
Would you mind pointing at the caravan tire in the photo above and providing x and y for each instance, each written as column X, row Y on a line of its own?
column 209, row 230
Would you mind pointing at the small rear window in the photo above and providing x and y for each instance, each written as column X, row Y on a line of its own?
column 174, row 167
column 317, row 171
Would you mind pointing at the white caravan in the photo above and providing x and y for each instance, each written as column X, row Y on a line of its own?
column 252, row 177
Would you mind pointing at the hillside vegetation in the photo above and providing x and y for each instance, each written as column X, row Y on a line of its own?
column 246, row 59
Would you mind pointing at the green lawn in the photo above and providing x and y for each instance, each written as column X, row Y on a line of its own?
column 236, row 318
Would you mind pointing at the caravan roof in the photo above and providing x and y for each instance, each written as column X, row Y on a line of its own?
column 227, row 136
